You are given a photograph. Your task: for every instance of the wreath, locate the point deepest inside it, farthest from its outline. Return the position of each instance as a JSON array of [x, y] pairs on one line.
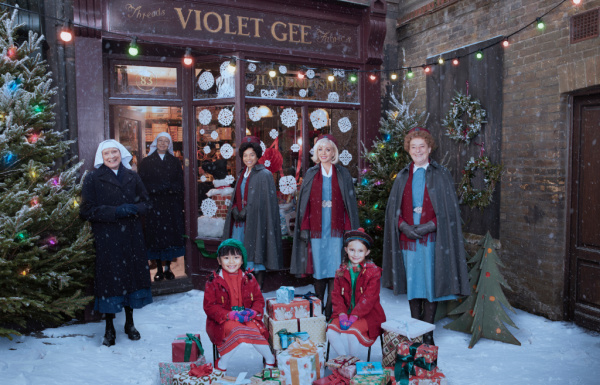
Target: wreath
[[491, 175], [475, 117]]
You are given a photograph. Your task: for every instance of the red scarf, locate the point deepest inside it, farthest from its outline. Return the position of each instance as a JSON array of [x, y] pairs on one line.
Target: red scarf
[[239, 202], [407, 214], [340, 222], [234, 281]]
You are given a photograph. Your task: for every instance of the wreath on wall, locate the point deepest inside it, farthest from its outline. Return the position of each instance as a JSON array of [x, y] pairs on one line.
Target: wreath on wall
[[491, 175], [475, 117]]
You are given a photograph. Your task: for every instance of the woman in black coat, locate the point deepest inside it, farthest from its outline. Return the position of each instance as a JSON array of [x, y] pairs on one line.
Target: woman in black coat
[[113, 197], [162, 175]]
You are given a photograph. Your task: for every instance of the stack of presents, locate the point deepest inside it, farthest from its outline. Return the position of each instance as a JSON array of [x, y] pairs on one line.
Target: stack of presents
[[297, 338]]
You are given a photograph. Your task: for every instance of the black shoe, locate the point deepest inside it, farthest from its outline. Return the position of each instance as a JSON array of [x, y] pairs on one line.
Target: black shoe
[[109, 337], [428, 339], [159, 276], [169, 275], [132, 332]]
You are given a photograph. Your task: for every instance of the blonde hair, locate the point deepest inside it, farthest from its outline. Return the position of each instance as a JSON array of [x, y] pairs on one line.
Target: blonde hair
[[324, 142]]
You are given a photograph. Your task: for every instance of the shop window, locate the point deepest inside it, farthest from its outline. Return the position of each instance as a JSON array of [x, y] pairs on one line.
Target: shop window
[[135, 127], [215, 80], [293, 81], [215, 135], [145, 80]]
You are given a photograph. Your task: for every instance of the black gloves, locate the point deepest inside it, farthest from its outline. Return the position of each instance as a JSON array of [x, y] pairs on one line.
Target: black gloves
[[238, 216], [409, 231], [126, 210], [425, 228], [305, 235]]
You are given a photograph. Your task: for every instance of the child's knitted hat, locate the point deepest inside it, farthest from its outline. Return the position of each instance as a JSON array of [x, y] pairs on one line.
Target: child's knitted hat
[[238, 245], [360, 235]]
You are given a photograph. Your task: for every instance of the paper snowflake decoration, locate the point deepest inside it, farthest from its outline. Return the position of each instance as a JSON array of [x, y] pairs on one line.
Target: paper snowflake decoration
[[344, 124], [229, 178], [225, 117], [227, 202], [333, 97], [227, 152], [214, 135], [283, 70], [202, 131], [318, 118], [302, 92], [209, 207], [287, 185], [271, 94], [267, 163], [225, 71], [206, 149], [295, 147], [262, 145], [339, 72], [345, 157], [205, 116], [310, 74], [251, 67], [254, 114], [273, 134], [312, 151], [206, 81], [202, 178], [289, 117], [250, 88]]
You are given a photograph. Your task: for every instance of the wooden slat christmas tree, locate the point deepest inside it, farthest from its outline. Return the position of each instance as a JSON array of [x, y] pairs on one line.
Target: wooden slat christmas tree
[[482, 312]]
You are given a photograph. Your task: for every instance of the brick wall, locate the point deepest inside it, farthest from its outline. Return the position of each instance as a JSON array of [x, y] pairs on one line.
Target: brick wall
[[540, 68]]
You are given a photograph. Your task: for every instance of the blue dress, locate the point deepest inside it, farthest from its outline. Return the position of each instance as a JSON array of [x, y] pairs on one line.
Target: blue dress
[[239, 231], [419, 263], [327, 250]]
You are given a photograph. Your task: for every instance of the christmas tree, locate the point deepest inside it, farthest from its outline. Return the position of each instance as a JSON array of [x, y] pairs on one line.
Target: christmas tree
[[46, 254], [385, 159], [482, 312]]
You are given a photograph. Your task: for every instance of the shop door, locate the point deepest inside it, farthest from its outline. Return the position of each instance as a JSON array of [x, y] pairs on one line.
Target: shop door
[[584, 237]]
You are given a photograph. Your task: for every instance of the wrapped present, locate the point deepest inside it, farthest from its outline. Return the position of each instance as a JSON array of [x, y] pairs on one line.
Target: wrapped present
[[369, 368], [415, 359], [315, 327], [298, 307], [268, 377], [436, 378], [390, 342], [314, 303], [291, 326], [286, 338], [285, 294], [168, 369], [372, 379], [348, 371], [239, 380], [335, 378], [302, 362], [186, 348], [204, 377], [341, 361], [408, 327]]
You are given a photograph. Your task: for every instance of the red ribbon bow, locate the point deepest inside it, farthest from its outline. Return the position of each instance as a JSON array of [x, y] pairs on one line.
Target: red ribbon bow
[[201, 371], [337, 379]]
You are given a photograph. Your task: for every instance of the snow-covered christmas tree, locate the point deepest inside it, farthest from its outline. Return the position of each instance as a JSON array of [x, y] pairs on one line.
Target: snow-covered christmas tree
[[385, 159], [46, 254]]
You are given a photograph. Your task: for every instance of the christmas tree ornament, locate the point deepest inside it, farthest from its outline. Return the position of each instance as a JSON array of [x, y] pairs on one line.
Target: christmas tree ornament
[[11, 52], [55, 181], [22, 236], [474, 114], [75, 203], [38, 108], [34, 201], [33, 138]]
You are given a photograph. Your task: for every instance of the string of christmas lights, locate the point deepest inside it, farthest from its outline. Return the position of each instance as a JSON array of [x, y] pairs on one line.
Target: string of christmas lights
[[66, 35]]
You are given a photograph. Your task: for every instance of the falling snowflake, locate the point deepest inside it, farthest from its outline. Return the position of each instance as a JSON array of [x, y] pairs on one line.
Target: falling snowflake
[[318, 118], [250, 88], [206, 81], [267, 163], [227, 202], [344, 124], [333, 97], [287, 185], [339, 72], [310, 74], [262, 145], [227, 152], [206, 149], [225, 71], [251, 67], [273, 134], [205, 116], [209, 207], [229, 178], [295, 147], [214, 135], [345, 157], [271, 94], [225, 117], [289, 117], [283, 70], [202, 131], [202, 178], [254, 114], [302, 92]]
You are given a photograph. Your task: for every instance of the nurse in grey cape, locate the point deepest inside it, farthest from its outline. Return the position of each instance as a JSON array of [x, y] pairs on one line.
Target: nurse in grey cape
[[423, 252]]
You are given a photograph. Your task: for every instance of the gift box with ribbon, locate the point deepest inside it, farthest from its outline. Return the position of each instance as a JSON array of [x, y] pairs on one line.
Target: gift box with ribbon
[[436, 378], [186, 348], [415, 359], [304, 306], [285, 294], [341, 361], [268, 377], [347, 371], [372, 379], [290, 326], [408, 327], [302, 362], [390, 342], [286, 338], [168, 369], [335, 378], [315, 327], [198, 375]]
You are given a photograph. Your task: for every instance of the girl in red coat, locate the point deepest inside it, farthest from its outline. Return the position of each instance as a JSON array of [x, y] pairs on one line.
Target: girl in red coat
[[234, 305], [357, 314]]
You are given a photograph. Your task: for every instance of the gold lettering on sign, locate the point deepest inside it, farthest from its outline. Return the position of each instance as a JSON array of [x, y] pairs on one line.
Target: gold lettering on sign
[[227, 31], [256, 26], [146, 80], [242, 23], [181, 19], [329, 37], [219, 20], [198, 22], [134, 12], [283, 36]]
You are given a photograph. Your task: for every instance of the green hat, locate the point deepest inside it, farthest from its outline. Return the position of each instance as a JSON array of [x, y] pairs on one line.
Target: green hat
[[237, 244]]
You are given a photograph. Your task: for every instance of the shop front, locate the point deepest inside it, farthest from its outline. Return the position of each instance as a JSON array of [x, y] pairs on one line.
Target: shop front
[[284, 71]]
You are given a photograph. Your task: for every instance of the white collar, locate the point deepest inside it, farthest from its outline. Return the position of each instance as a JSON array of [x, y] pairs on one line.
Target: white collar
[[248, 171], [415, 168], [115, 171], [162, 156], [325, 173]]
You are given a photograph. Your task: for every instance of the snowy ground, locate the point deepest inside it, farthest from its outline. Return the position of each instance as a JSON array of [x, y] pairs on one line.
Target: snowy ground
[[551, 352]]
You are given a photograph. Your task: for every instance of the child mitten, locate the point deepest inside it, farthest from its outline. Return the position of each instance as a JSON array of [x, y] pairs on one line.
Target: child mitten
[[232, 315], [250, 313], [344, 322], [351, 320]]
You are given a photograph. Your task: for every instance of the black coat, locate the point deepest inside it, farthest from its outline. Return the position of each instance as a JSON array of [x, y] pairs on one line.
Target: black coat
[[163, 179], [121, 263]]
